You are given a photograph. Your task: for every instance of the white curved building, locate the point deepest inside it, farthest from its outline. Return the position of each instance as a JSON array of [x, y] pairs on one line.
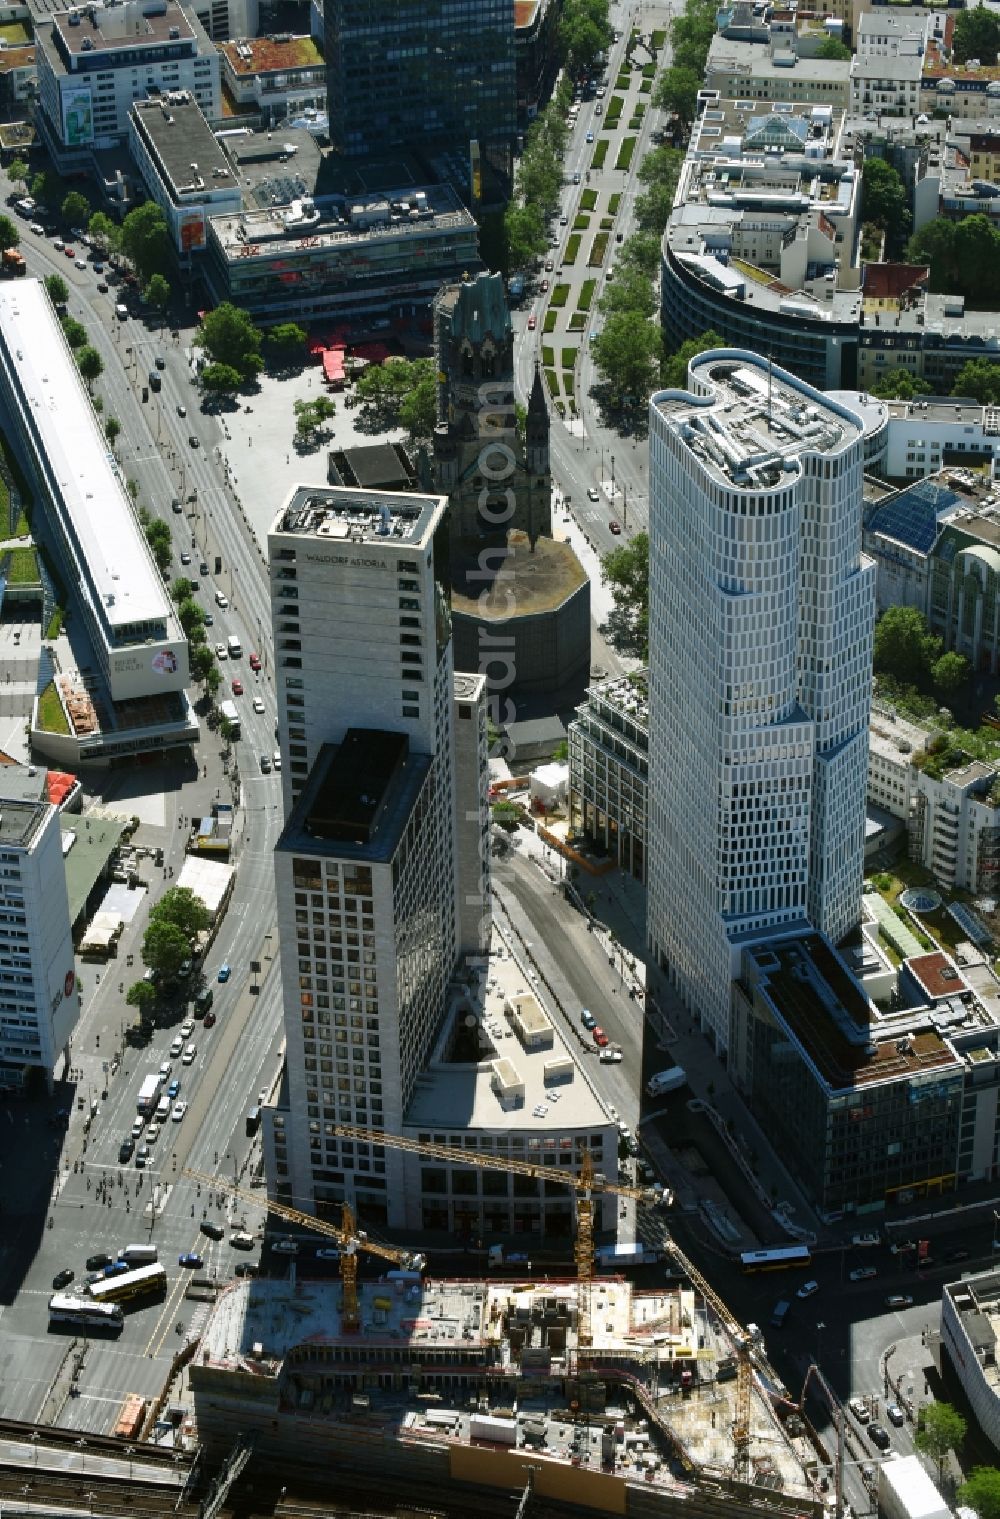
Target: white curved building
[[761, 616]]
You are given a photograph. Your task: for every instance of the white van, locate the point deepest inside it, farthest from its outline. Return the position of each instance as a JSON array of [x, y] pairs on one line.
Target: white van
[[234, 646], [121, 311], [162, 1110]]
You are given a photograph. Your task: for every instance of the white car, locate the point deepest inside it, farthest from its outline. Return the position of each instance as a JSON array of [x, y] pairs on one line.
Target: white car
[[593, 494], [611, 1057], [138, 1124], [258, 704], [189, 1054], [807, 1289], [862, 1274], [276, 759], [165, 1068], [177, 1046], [221, 600], [187, 1028], [152, 1133], [862, 1241], [180, 1108], [221, 652]]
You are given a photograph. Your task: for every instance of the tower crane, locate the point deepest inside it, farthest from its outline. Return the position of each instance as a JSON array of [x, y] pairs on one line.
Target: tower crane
[[348, 1237], [585, 1184]]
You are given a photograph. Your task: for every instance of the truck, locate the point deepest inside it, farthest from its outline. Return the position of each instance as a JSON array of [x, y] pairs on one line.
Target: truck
[[905, 1491], [133, 1412], [666, 1081], [14, 266], [148, 1094], [515, 288], [230, 711], [780, 1313], [627, 1255]]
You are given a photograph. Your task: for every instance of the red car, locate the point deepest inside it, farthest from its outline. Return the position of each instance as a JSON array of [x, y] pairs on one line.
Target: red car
[[69, 252], [237, 686], [532, 322], [600, 1037], [255, 661], [209, 1019]]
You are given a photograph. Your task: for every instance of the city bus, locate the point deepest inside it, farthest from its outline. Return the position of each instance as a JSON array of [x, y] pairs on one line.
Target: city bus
[[82, 1313], [782, 1259], [143, 1282]]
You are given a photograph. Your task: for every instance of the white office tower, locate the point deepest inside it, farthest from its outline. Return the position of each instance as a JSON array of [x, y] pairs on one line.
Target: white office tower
[[38, 1002], [761, 614], [366, 867]]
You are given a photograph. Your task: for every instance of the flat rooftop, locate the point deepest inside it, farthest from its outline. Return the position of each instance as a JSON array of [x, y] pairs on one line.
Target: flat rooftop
[[456, 1090], [95, 838], [350, 516], [20, 821], [100, 28], [937, 975], [342, 812], [178, 135], [270, 55], [546, 577], [756, 422], [357, 220], [935, 409], [894, 737], [83, 468], [834, 1024], [976, 1300]]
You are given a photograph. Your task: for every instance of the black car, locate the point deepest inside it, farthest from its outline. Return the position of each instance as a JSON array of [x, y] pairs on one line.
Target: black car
[[98, 1262], [161, 363], [125, 1152], [954, 1256], [213, 1230], [203, 568], [62, 1278], [878, 1436]]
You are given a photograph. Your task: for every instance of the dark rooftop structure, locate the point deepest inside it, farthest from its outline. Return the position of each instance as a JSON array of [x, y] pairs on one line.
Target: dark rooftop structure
[[936, 975], [831, 1019], [374, 467], [358, 797], [353, 793], [20, 821], [110, 28], [183, 144]]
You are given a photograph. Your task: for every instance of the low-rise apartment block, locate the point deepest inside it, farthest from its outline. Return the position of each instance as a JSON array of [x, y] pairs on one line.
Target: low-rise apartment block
[[274, 78], [609, 770], [183, 167]]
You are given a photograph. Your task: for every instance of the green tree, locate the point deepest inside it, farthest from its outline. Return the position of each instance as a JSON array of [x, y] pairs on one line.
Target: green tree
[[228, 336], [627, 354], [642, 252], [631, 290], [675, 368], [981, 1490], [18, 171], [57, 288], [112, 427], [141, 994], [76, 332], [157, 293], [940, 1429], [75, 209], [158, 537], [46, 188], [310, 416], [189, 613], [9, 235], [180, 591], [104, 232], [977, 250], [900, 385], [949, 673], [904, 645], [90, 363], [625, 571], [220, 379], [676, 90], [691, 34], [934, 245], [287, 342], [583, 34], [202, 660], [980, 379], [524, 233], [213, 680], [883, 195], [186, 911], [832, 48], [383, 390], [164, 947], [977, 35], [145, 240], [418, 409]]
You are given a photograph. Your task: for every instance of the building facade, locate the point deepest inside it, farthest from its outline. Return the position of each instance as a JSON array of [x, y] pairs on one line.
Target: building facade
[[609, 770], [761, 617], [183, 168], [93, 63], [39, 1006], [413, 76], [954, 825]]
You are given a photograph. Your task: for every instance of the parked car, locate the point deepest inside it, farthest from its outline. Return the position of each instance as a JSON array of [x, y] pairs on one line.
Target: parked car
[[807, 1289], [254, 661], [862, 1274], [864, 1240], [899, 1300], [191, 1259], [859, 1408], [180, 1108], [265, 764], [209, 1019], [213, 1230], [611, 1056]]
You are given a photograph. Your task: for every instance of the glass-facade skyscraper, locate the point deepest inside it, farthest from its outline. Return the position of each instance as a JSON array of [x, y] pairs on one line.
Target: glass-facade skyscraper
[[409, 74]]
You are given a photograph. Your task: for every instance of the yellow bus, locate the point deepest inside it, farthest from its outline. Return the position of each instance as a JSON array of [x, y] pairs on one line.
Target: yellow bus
[[144, 1281]]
